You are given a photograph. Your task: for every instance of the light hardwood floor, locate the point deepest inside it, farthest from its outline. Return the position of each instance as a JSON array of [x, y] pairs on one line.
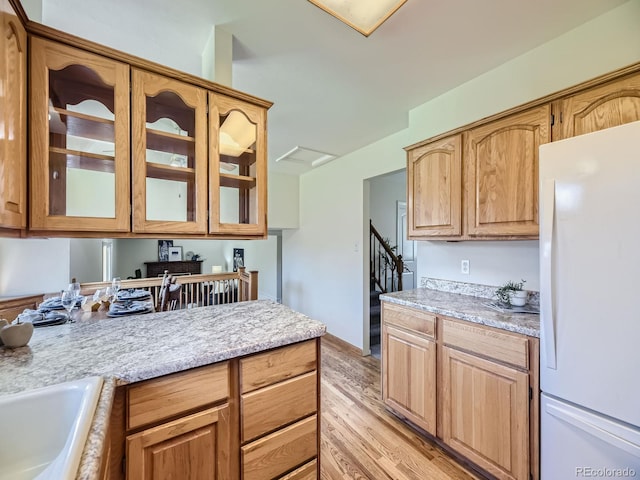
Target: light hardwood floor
[[360, 439]]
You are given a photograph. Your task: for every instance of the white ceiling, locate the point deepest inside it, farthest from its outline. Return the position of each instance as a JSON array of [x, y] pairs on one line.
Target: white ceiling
[[333, 89]]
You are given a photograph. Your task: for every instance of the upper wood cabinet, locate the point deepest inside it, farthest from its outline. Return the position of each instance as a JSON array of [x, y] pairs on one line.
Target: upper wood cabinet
[[609, 105], [237, 167], [169, 131], [501, 174], [13, 124], [434, 190], [79, 116]]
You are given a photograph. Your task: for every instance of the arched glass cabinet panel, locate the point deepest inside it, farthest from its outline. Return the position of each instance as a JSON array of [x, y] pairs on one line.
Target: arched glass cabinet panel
[[237, 167], [79, 140], [169, 155]]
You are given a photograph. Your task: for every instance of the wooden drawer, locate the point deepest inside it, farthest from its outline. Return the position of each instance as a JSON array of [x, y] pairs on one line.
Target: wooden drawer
[[164, 397], [277, 365], [308, 471], [269, 408], [490, 342], [278, 453], [410, 318]]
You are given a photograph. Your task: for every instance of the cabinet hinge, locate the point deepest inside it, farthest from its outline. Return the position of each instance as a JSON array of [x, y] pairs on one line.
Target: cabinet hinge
[[124, 464], [530, 393], [560, 117], [553, 119]]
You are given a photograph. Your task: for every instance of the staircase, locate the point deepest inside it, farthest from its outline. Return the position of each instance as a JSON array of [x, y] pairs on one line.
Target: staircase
[[374, 319], [386, 276]]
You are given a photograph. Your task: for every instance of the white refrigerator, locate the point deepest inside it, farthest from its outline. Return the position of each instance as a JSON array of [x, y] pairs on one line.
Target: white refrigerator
[[590, 305]]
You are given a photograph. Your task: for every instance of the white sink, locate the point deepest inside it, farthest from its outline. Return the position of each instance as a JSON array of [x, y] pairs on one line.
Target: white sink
[[45, 430]]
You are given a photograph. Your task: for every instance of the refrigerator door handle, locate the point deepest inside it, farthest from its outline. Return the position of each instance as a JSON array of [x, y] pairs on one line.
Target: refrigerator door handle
[[596, 427], [546, 267]]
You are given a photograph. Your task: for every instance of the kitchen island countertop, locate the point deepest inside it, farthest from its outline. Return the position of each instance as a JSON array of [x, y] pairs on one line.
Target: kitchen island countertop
[[140, 347], [465, 307]]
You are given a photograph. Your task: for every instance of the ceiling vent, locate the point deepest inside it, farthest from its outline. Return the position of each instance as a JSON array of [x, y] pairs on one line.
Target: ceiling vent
[[306, 157]]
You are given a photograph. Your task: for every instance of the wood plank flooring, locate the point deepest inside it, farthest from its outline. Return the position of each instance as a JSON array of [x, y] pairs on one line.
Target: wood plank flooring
[[360, 439]]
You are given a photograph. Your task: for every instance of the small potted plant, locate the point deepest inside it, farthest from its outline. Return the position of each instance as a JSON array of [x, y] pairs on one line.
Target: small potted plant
[[511, 293]]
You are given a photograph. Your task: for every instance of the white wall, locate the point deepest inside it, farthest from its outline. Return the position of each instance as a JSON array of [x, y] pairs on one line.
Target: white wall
[[260, 255], [490, 263], [323, 275], [323, 267], [85, 262], [31, 266], [284, 201]]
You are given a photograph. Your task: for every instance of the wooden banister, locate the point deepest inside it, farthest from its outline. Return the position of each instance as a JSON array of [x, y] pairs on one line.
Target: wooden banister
[[386, 267]]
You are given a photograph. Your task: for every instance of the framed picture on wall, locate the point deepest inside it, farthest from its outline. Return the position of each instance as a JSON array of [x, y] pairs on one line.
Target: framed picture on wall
[[163, 250], [175, 254], [238, 258]]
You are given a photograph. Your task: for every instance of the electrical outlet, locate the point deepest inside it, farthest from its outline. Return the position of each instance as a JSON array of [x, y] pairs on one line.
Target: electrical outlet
[[464, 267]]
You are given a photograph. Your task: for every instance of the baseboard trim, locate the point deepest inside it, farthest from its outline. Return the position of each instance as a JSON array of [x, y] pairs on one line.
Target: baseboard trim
[[342, 344]]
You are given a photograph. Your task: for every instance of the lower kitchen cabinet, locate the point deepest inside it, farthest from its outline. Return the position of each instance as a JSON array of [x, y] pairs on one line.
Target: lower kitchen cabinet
[[279, 413], [485, 413], [254, 417], [410, 376], [473, 388], [189, 447]]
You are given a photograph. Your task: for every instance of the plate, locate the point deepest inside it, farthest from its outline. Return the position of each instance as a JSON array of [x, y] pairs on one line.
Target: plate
[[124, 313], [131, 294]]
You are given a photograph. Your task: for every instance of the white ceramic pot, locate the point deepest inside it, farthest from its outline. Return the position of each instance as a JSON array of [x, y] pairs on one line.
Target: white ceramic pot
[[518, 298]]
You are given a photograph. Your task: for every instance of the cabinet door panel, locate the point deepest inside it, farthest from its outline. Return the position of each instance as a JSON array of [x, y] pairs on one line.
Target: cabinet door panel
[[485, 409], [502, 174], [606, 106], [79, 114], [169, 155], [189, 447], [13, 127], [409, 376], [237, 167], [434, 189]]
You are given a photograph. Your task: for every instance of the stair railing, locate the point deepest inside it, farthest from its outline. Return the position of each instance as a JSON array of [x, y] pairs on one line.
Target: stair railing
[[385, 266]]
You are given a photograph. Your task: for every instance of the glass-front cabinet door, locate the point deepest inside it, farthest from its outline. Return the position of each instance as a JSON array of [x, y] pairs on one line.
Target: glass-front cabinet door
[[79, 139], [169, 134], [237, 167]]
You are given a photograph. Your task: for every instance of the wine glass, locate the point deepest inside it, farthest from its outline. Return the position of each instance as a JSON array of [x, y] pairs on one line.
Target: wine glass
[[68, 299], [75, 286], [116, 284]]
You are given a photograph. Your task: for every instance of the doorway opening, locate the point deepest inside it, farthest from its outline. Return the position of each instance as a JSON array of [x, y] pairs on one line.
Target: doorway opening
[[385, 209]]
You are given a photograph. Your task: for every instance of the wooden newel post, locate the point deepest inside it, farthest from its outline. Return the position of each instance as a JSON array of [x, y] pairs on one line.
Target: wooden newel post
[[248, 284]]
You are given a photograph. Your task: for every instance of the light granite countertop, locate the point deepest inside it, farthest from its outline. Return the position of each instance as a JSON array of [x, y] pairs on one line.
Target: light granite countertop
[[465, 307], [139, 347]]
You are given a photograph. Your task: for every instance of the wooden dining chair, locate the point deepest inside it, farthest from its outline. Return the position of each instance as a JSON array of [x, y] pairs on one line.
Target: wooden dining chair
[[169, 296]]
